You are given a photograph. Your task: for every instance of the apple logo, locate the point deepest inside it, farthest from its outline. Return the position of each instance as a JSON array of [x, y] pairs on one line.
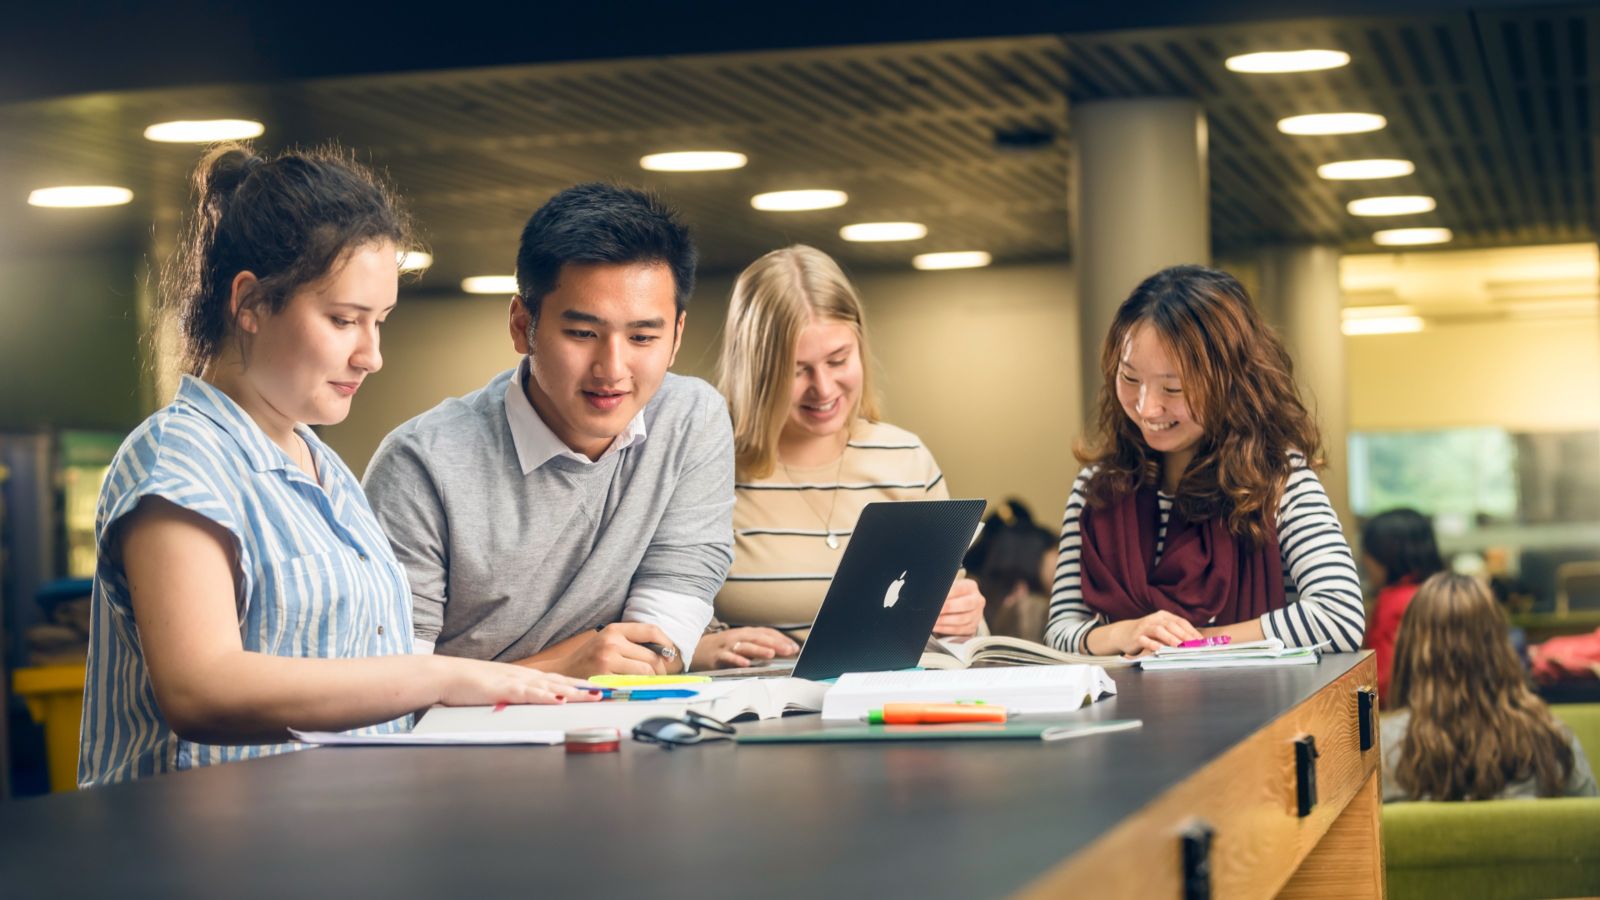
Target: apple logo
[[892, 595]]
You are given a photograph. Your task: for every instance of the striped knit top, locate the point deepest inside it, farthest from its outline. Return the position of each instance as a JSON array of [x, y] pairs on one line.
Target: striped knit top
[[315, 577], [782, 562], [1320, 582]]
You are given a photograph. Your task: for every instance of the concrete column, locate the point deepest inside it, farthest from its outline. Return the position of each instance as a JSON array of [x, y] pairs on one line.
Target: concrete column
[[1142, 206], [1300, 295]]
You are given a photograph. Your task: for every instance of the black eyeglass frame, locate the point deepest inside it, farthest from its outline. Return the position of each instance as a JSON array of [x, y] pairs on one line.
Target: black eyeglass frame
[[649, 731]]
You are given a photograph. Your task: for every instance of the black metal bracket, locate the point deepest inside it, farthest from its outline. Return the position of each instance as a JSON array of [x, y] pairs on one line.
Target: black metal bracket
[[1305, 773], [1366, 714], [1197, 860]]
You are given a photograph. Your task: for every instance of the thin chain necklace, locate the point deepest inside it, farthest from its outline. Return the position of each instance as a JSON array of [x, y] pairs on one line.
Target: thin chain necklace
[[831, 539]]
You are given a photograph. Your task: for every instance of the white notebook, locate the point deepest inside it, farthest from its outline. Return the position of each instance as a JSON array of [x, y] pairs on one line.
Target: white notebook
[[1244, 654], [1026, 690]]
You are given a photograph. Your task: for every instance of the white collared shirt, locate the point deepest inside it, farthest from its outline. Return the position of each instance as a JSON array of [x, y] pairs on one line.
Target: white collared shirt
[[537, 444]]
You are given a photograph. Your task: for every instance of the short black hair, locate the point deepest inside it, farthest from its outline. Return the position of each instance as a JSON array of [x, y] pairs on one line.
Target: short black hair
[[602, 223], [1402, 541]]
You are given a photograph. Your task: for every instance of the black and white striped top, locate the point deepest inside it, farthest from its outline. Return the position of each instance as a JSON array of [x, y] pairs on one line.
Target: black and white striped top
[[1320, 582]]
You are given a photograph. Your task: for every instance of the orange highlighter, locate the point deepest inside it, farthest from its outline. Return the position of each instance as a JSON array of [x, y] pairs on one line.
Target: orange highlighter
[[934, 713]]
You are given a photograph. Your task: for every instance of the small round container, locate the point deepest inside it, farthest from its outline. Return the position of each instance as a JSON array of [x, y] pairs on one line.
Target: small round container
[[594, 740]]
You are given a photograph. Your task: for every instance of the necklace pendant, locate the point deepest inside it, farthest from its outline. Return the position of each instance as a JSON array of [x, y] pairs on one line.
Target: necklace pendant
[[833, 541]]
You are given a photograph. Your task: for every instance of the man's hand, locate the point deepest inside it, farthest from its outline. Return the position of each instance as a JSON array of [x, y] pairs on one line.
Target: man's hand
[[617, 649]]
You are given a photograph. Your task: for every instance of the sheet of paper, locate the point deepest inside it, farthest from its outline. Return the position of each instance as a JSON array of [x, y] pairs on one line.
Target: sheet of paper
[[407, 739]]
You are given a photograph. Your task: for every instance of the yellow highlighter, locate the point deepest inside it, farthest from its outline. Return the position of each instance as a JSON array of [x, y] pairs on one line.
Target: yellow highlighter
[[625, 681]]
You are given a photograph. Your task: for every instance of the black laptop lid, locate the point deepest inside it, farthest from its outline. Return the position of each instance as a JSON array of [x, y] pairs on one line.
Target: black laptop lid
[[891, 584]]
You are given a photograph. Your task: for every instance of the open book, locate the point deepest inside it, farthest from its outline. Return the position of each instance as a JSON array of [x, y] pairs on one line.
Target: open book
[[996, 650], [765, 698]]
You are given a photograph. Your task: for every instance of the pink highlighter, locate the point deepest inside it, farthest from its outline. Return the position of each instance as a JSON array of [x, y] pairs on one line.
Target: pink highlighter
[[1214, 641]]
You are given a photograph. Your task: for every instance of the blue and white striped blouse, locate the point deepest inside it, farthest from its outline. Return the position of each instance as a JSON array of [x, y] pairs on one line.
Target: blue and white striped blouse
[[316, 575]]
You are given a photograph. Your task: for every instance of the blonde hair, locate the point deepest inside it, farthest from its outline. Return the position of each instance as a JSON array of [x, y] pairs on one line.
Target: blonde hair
[[773, 301]]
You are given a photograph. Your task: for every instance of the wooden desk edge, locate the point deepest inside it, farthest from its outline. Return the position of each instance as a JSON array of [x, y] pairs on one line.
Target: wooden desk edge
[[1248, 795]]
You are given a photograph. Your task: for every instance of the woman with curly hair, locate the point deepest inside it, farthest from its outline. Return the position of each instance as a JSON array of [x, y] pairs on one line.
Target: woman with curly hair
[[1465, 725], [1198, 511]]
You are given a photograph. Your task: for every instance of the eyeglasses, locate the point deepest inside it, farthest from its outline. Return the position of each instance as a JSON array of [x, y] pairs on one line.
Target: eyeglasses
[[669, 732]]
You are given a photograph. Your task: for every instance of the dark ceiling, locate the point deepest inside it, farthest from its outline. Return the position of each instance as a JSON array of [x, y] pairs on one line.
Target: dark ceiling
[[1500, 110]]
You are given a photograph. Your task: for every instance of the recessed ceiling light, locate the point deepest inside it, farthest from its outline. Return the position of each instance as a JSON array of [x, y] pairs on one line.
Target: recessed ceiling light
[[1390, 206], [795, 201], [884, 231], [1358, 169], [1411, 237], [490, 284], [79, 196], [954, 259], [1378, 312], [203, 131], [1273, 62], [1332, 123], [413, 260], [693, 161], [1389, 325]]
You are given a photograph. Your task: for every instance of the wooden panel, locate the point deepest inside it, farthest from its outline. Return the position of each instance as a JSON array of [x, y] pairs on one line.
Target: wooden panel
[[1248, 796], [1348, 862]]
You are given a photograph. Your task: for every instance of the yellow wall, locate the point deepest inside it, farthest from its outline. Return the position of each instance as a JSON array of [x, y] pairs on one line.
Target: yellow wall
[[980, 364], [1519, 374]]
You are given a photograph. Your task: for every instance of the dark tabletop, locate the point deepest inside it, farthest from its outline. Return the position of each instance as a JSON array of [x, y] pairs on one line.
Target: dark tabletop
[[928, 819]]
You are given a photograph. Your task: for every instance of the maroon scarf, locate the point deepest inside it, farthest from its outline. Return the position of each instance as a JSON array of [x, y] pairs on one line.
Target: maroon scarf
[[1205, 575]]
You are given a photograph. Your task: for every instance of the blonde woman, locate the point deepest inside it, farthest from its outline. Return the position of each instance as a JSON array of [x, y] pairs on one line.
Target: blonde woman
[[810, 453]]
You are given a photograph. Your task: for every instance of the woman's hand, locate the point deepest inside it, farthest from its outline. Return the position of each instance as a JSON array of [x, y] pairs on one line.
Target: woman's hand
[[963, 610], [740, 647], [1136, 637], [472, 682]]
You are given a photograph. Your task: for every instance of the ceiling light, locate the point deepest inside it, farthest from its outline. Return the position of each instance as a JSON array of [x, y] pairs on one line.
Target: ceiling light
[[794, 201], [1389, 325], [1332, 123], [1273, 62], [1357, 169], [80, 195], [1390, 206], [1410, 237], [693, 161], [490, 284], [955, 259], [1378, 312], [203, 131], [884, 231], [413, 260]]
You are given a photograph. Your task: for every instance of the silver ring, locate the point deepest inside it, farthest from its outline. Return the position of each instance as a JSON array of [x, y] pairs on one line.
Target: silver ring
[[736, 647]]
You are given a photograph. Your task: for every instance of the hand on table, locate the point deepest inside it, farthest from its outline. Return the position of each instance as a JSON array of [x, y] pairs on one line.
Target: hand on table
[[1137, 637], [739, 647]]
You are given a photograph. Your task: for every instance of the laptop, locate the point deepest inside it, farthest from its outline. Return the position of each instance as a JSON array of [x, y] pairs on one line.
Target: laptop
[[891, 583]]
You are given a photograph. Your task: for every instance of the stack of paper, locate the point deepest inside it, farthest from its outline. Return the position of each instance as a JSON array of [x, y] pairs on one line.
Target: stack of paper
[[1266, 652], [1026, 690]]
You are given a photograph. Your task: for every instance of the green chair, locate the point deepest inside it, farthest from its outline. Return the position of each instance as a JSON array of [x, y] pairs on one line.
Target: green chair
[[1500, 848]]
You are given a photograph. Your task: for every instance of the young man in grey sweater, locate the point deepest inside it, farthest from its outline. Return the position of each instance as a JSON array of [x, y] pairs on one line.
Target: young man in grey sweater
[[575, 514]]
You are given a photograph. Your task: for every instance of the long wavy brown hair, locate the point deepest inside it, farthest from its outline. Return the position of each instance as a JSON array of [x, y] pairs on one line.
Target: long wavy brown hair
[[1475, 725], [1239, 384]]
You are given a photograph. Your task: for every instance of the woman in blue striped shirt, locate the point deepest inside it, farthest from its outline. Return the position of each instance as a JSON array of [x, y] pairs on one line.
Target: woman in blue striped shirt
[[243, 587]]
